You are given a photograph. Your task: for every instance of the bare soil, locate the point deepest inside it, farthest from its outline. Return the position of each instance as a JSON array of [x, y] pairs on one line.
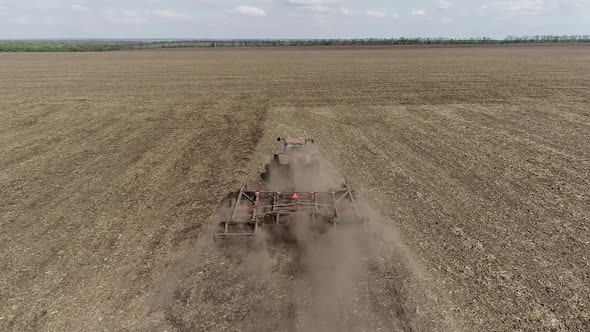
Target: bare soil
[[475, 162]]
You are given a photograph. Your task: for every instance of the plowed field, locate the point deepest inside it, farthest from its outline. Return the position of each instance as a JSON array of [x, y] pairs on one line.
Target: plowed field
[[475, 161]]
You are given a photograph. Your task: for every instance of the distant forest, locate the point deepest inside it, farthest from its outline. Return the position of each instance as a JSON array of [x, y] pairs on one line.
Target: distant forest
[[100, 45]]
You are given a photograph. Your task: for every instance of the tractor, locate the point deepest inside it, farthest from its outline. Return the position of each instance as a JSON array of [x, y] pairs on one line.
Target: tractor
[[297, 159], [280, 205]]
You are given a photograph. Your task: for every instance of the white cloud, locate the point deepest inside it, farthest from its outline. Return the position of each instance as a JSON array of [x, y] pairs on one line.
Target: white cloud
[[251, 11], [528, 7], [20, 20], [318, 6], [80, 8], [169, 14], [304, 3], [345, 11], [418, 12], [376, 13], [444, 4], [124, 16]]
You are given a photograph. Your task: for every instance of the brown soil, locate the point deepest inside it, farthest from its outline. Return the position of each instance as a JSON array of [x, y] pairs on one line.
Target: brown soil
[[112, 164]]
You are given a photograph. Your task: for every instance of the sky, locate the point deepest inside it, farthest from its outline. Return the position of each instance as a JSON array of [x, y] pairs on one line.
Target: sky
[[223, 19]]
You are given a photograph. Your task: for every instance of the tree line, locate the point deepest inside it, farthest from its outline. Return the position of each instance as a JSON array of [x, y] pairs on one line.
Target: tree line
[[106, 45]]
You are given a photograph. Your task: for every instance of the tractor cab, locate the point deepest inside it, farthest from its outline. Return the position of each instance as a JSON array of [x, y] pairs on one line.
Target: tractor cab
[[294, 145], [295, 150]]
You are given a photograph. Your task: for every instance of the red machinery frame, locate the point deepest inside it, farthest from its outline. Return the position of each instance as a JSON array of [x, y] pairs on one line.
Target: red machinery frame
[[254, 209]]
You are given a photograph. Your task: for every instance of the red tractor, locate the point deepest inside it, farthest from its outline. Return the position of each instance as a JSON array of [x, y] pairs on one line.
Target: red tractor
[[298, 159]]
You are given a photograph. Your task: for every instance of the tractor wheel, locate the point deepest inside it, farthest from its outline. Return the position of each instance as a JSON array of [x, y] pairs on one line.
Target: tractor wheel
[[269, 170]]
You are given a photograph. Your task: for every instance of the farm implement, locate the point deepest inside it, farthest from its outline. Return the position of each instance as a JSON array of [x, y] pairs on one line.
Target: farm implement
[[248, 211], [274, 211]]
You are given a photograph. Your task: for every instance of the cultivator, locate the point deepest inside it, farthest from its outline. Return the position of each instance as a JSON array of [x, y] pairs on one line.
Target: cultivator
[[251, 210], [286, 206]]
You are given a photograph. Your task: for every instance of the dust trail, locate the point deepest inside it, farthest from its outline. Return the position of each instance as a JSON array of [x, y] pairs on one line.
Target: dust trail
[[348, 278], [354, 277]]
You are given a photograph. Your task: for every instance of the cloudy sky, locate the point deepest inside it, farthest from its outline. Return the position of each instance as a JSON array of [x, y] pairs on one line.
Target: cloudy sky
[[290, 18]]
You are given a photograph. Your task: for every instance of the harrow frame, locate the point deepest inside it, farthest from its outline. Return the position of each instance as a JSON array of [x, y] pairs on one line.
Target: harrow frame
[[251, 210]]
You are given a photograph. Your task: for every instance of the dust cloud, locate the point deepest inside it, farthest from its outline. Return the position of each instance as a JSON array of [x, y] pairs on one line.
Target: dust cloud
[[356, 277], [351, 277]]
